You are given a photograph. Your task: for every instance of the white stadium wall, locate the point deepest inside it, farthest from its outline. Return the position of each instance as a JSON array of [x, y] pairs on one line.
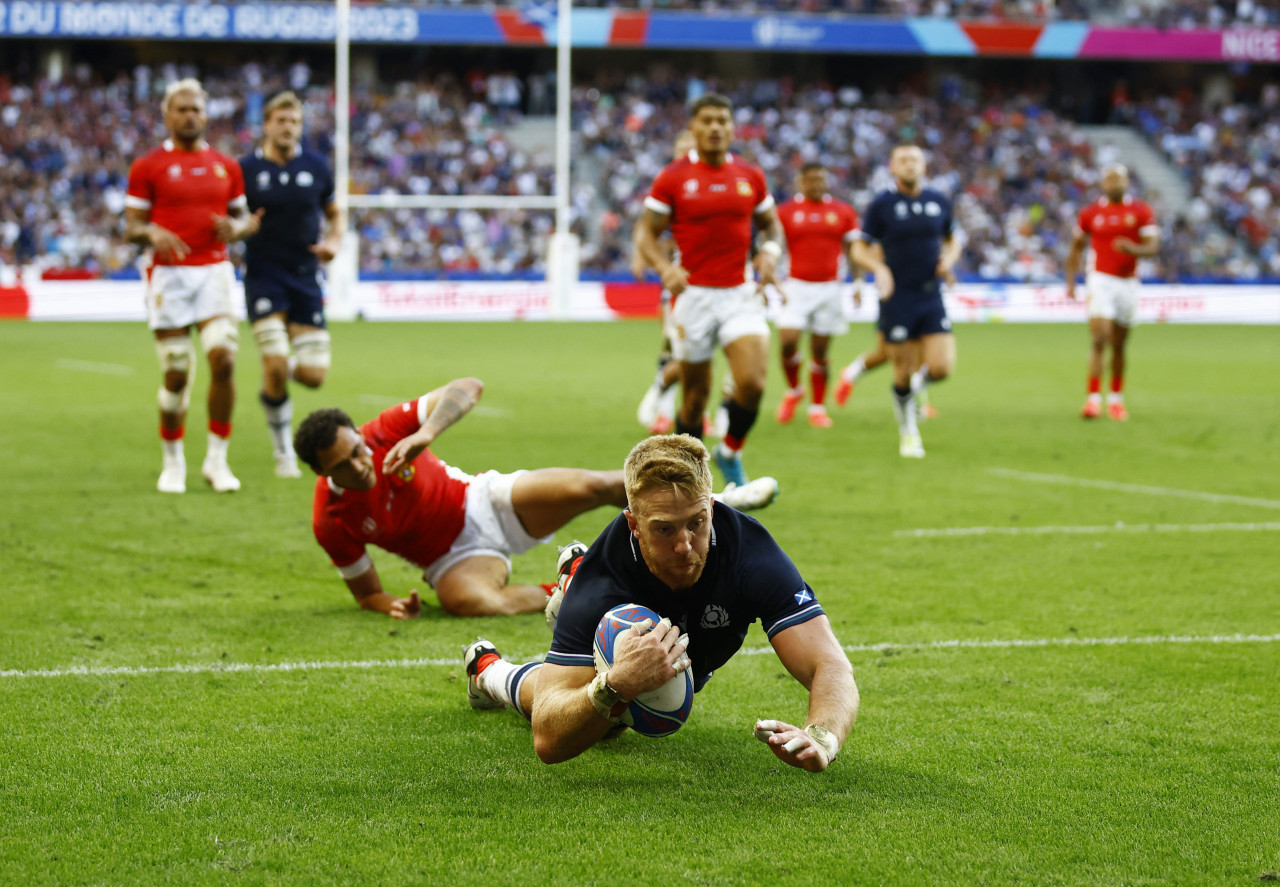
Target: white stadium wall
[[525, 300]]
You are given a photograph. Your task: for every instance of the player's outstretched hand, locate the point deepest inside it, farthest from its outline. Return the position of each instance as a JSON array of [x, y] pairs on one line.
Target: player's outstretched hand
[[405, 451], [406, 607], [792, 746], [325, 250], [167, 245], [647, 656], [884, 282], [946, 273]]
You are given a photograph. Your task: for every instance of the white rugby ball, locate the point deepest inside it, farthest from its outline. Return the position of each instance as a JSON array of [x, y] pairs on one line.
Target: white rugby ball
[[659, 712]]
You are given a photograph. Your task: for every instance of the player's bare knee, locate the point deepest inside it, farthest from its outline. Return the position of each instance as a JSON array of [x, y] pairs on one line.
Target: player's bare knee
[[311, 377]]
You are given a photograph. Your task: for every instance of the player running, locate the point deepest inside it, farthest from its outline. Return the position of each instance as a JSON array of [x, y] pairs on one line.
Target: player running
[[282, 266], [919, 248], [185, 202], [819, 230], [710, 573], [1121, 229], [709, 199], [381, 484]]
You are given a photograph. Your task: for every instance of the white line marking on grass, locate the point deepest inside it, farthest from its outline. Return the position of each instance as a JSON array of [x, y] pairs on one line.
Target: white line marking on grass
[[1132, 488], [87, 366], [366, 664], [1119, 527]]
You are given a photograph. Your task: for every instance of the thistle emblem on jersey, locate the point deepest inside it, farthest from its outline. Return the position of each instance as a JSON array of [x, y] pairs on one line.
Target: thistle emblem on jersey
[[714, 616]]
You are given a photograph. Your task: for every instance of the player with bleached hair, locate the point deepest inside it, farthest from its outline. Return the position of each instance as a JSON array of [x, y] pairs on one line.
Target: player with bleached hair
[[709, 572], [185, 202], [380, 484], [1121, 229]]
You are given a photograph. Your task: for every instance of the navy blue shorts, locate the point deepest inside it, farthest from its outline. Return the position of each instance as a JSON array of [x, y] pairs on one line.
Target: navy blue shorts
[[908, 316], [269, 289]]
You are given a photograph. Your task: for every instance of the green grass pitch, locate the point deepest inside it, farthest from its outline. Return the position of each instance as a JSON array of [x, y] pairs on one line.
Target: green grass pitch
[[1081, 688]]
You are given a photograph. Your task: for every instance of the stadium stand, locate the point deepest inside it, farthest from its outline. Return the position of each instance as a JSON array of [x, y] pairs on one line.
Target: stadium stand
[[1017, 169]]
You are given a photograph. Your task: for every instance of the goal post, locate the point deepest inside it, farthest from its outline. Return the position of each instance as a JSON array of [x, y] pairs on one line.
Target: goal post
[[562, 261]]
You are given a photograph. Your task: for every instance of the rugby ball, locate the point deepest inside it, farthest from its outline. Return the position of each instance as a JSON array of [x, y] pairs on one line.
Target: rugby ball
[[659, 712]]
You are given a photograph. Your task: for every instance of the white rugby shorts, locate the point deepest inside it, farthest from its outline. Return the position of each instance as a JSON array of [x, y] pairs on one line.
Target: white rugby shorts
[[704, 317], [180, 295], [813, 307], [491, 527], [1113, 298]]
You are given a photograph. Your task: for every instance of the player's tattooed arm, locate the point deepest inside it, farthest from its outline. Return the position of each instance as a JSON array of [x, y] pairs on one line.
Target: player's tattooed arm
[[445, 406]]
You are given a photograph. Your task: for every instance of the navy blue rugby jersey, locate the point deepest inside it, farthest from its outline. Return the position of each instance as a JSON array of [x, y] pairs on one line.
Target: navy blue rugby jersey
[[294, 196], [911, 230], [746, 577]]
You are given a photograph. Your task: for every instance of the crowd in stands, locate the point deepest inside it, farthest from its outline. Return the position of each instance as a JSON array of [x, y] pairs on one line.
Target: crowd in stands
[[1018, 172]]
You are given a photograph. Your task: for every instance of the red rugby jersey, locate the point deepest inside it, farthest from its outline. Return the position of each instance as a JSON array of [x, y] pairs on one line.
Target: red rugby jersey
[[711, 208], [816, 235], [184, 190], [416, 513], [1104, 221]]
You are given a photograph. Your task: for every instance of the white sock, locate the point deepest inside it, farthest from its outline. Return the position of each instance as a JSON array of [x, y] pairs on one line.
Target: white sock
[[173, 451], [217, 449], [920, 378], [1115, 397], [853, 372], [904, 408], [280, 424], [493, 680]]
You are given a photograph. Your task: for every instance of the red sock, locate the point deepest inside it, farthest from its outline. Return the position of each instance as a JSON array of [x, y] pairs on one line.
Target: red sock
[[1095, 384], [733, 443], [172, 433], [222, 429], [1117, 384], [485, 661], [818, 381], [791, 367]]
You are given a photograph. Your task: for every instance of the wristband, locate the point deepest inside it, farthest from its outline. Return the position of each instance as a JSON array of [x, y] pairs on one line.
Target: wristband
[[771, 247], [824, 738], [604, 699]]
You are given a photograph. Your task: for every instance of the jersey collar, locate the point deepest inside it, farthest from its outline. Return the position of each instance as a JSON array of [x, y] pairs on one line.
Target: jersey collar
[[694, 158], [334, 488], [170, 146]]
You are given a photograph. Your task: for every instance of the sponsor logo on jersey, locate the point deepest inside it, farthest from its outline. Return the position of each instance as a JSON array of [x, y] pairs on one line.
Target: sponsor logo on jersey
[[832, 218], [797, 217], [803, 596], [305, 179], [715, 616], [900, 210], [1130, 219], [744, 188], [369, 526], [932, 208]]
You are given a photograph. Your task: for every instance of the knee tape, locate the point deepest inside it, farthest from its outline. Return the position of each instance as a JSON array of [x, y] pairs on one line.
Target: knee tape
[[272, 337], [221, 332], [174, 401], [313, 349], [177, 355]]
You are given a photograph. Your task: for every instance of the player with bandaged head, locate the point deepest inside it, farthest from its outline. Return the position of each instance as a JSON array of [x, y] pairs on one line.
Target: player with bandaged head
[[709, 572]]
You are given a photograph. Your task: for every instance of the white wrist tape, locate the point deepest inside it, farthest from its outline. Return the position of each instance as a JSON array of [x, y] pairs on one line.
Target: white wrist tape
[[824, 738], [772, 248], [603, 697]]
